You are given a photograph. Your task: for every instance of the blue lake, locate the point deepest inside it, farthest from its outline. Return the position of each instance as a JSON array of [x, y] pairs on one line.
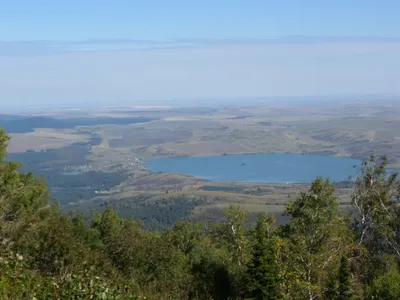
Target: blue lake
[[274, 168], [71, 173]]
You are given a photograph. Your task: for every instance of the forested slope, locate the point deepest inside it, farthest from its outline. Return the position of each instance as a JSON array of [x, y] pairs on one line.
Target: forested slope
[[321, 253]]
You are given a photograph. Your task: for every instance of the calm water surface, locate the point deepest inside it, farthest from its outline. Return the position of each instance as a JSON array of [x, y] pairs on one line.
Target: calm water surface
[[277, 168], [71, 173]]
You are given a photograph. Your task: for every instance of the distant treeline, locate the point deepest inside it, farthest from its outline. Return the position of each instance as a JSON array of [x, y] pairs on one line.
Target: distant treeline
[[20, 124], [161, 214], [72, 188], [50, 166], [223, 188], [53, 158]]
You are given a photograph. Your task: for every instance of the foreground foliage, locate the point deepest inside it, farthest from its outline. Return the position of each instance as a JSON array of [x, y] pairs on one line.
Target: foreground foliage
[[321, 253]]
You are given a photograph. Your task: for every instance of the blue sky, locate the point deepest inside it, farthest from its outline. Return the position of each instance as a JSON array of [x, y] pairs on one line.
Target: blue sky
[[130, 52], [158, 20]]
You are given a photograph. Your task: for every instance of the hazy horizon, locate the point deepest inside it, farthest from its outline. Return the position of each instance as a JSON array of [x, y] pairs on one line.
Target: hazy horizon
[[145, 54]]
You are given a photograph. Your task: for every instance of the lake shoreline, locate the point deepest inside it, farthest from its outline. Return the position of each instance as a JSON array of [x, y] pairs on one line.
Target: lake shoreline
[[279, 168]]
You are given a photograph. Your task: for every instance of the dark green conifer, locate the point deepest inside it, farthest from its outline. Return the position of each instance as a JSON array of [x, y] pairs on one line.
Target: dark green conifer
[[344, 279], [263, 269]]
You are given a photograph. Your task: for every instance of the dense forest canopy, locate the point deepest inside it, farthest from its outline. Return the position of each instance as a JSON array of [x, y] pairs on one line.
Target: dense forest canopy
[[321, 253]]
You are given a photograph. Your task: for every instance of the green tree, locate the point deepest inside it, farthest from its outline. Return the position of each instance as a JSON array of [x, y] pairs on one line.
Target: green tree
[[339, 286], [344, 292], [23, 198], [43, 254], [108, 223], [210, 269], [263, 269], [232, 234], [385, 286], [332, 288], [185, 235], [315, 237], [376, 211]]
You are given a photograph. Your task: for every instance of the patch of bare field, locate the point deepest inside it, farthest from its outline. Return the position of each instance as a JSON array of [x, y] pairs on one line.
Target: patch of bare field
[[42, 139], [179, 123], [185, 118], [237, 141], [162, 182], [141, 138]]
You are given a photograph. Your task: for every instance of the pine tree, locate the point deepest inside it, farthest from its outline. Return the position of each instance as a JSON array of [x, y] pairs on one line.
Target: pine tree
[[332, 289], [263, 269], [344, 279]]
